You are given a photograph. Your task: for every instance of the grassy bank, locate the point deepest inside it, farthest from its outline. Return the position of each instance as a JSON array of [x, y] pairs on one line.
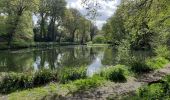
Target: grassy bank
[[159, 90], [57, 90], [71, 80], [22, 45], [12, 82]]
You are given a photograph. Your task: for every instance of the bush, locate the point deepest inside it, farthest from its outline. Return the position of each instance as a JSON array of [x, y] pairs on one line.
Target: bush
[[162, 51], [155, 91], [13, 81], [18, 81], [71, 74], [99, 39], [85, 84], [44, 76], [138, 66], [157, 62], [117, 73]]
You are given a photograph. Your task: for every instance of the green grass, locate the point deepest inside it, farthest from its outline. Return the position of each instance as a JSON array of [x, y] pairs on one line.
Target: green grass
[[155, 91], [157, 62], [19, 81], [70, 74], [118, 73], [57, 89], [139, 66]]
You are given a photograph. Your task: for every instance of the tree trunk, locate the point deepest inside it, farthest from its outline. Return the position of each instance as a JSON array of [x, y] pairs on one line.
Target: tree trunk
[[73, 35]]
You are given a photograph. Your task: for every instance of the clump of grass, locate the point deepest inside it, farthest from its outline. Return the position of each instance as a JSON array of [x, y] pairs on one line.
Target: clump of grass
[[70, 74], [44, 77], [116, 73], [138, 66], [162, 51], [157, 62], [85, 84]]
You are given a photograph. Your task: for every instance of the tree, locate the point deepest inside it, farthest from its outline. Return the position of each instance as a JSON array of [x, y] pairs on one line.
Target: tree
[[93, 31], [43, 13], [56, 13], [15, 9], [72, 22]]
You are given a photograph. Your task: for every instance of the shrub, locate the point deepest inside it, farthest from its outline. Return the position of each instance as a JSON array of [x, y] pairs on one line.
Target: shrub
[[157, 62], [71, 74], [162, 51], [138, 66], [155, 91], [117, 73], [44, 76], [13, 81], [99, 39], [85, 84]]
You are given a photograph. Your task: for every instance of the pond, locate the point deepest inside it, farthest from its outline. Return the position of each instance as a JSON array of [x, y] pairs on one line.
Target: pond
[[30, 60]]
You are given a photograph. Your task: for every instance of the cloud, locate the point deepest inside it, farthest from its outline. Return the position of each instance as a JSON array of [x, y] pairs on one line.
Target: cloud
[[100, 23], [106, 10]]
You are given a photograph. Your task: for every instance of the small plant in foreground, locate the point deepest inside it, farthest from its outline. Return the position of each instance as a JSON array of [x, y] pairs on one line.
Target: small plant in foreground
[[157, 62], [71, 74], [116, 73], [138, 66], [85, 84]]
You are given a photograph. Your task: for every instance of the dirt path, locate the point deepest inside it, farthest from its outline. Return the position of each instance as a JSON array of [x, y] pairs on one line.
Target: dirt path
[[118, 89]]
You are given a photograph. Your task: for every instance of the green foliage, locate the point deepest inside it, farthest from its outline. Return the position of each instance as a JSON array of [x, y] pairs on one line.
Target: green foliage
[[71, 74], [162, 51], [139, 67], [15, 81], [155, 91], [139, 23], [44, 77], [157, 62], [99, 39], [85, 84], [116, 73]]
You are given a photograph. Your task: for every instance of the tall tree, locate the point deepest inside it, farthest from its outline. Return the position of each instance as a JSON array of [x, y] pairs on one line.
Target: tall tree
[[56, 13], [15, 10]]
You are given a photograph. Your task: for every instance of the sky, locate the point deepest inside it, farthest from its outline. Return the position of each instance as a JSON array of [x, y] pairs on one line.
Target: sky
[[107, 9]]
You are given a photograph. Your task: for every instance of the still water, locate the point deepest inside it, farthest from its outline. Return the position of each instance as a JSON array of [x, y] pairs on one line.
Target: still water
[[67, 56]]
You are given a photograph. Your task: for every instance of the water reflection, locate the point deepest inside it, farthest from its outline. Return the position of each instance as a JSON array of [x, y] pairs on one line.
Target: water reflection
[[68, 56], [96, 65]]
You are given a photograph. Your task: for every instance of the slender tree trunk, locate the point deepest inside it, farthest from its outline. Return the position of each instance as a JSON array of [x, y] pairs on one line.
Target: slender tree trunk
[[73, 35], [42, 30]]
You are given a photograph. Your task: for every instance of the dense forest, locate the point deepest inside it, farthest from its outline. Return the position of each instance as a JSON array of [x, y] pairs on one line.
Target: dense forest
[[127, 59], [144, 24], [56, 23]]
